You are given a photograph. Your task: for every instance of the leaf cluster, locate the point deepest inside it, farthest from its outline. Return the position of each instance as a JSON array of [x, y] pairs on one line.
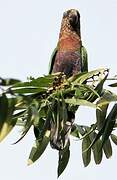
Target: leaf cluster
[[49, 103]]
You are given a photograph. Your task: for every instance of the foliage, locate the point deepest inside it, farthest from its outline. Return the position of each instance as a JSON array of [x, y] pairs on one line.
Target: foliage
[[48, 104]]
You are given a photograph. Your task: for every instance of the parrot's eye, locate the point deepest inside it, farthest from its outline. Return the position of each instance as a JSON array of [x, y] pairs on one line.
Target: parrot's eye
[[74, 20]]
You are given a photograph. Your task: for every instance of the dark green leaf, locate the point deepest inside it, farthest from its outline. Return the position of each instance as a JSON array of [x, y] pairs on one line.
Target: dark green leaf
[[107, 97], [28, 123], [113, 85], [95, 139], [3, 109], [64, 156], [43, 111], [9, 122], [91, 89], [56, 128], [101, 113], [107, 127], [102, 77], [110, 122], [40, 82], [75, 131], [96, 148], [19, 114], [86, 154], [90, 76], [79, 130], [86, 92], [28, 90], [107, 148], [114, 138], [88, 130], [38, 148], [64, 112], [8, 81]]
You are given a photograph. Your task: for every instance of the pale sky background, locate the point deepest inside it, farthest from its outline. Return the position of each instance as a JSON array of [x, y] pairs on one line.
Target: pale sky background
[[28, 33]]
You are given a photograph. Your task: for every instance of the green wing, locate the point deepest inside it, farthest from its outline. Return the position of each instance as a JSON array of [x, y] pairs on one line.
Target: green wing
[[84, 57], [52, 59]]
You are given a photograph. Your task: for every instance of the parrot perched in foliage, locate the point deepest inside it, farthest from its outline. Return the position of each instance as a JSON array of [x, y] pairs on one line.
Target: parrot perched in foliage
[[69, 57]]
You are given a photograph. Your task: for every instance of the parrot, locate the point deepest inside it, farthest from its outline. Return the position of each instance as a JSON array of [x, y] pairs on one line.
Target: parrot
[[69, 57]]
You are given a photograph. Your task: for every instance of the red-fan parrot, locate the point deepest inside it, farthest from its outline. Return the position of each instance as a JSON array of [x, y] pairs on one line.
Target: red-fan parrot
[[69, 57]]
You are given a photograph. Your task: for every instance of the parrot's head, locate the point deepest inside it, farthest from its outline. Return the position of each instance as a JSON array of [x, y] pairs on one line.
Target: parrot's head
[[71, 20]]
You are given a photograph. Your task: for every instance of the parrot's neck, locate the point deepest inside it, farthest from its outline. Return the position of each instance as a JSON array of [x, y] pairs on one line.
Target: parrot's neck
[[69, 42]]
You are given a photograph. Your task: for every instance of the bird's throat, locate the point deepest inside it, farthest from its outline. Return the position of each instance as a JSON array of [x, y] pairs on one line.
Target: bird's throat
[[69, 43]]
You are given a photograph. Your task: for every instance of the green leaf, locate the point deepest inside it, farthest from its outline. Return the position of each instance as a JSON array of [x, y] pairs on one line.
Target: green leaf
[[8, 81], [86, 154], [97, 152], [64, 156], [28, 123], [102, 77], [39, 119], [19, 114], [64, 112], [42, 110], [38, 148], [8, 122], [79, 130], [114, 138], [57, 124], [107, 127], [95, 139], [91, 90], [28, 90], [80, 102], [52, 60], [110, 122], [86, 92], [40, 82], [96, 148], [84, 58], [75, 131], [107, 97], [3, 109], [107, 148], [101, 113], [113, 85], [90, 76]]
